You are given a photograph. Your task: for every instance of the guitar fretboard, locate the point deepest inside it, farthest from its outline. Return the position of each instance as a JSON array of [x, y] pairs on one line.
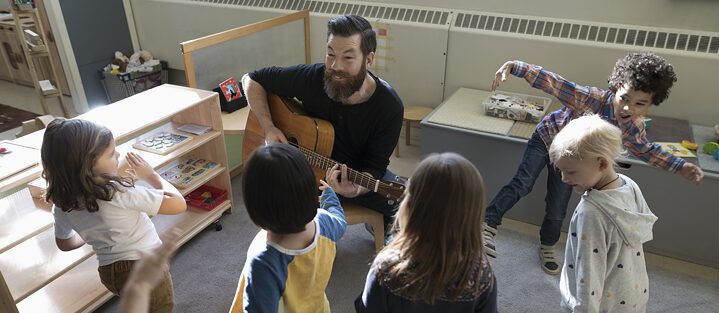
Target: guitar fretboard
[[363, 179]]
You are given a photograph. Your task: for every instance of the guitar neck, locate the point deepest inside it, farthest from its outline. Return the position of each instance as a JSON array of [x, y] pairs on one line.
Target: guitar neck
[[363, 179]]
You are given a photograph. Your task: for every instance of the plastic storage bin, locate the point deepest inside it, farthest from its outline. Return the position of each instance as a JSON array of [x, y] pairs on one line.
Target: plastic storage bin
[[516, 106], [206, 197]]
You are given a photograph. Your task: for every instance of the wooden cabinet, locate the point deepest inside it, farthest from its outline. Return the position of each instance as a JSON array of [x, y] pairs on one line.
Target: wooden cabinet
[[13, 62], [4, 61], [13, 54], [41, 278], [54, 53]]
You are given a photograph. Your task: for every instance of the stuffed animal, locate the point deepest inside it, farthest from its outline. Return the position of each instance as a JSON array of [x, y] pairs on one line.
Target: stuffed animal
[[121, 56], [140, 57], [119, 64], [120, 61], [114, 69], [145, 56]]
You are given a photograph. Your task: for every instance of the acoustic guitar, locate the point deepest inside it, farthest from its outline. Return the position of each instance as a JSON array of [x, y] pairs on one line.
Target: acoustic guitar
[[315, 138]]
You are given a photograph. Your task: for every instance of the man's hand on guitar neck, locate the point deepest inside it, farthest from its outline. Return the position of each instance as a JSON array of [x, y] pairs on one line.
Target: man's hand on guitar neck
[[343, 186]]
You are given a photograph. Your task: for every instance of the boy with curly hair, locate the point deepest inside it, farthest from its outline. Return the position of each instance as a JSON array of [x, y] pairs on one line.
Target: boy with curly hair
[[637, 81]]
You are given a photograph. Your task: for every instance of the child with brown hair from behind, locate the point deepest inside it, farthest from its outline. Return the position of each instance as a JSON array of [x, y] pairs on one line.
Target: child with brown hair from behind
[[436, 262], [95, 204], [604, 268]]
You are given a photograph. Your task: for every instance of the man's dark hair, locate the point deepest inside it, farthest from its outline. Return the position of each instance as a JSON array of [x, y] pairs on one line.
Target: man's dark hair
[[645, 72], [279, 189], [349, 25]]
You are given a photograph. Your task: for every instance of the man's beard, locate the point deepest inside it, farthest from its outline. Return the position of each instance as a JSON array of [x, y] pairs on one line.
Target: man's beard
[[340, 91]]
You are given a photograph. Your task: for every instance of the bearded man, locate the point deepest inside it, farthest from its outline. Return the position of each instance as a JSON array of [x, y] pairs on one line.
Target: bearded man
[[364, 110]]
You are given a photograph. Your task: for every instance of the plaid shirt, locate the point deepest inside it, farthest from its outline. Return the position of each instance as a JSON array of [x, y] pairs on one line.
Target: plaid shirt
[[580, 100]]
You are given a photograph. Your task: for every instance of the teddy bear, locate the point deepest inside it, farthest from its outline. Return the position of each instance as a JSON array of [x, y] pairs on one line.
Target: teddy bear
[[140, 57], [120, 62]]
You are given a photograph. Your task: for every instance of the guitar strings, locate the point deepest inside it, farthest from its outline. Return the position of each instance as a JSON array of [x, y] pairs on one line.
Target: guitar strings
[[326, 162]]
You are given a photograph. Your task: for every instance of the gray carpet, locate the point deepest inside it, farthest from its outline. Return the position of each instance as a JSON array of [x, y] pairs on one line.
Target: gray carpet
[[205, 273]]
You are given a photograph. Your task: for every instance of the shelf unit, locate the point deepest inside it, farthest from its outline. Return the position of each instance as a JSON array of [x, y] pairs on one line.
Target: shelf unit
[[68, 281], [35, 46]]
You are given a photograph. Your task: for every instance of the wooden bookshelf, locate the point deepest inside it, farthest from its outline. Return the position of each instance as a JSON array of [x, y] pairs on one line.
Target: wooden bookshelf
[[38, 255], [22, 217], [41, 278], [208, 176], [21, 178], [54, 297]]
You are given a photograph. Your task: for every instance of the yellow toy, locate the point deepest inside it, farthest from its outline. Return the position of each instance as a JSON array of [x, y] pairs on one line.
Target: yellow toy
[[689, 145]]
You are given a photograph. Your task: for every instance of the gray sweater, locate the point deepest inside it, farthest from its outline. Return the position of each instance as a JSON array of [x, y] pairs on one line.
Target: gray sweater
[[604, 268]]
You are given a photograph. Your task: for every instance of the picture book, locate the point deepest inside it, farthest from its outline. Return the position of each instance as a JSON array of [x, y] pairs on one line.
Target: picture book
[[676, 149], [182, 173]]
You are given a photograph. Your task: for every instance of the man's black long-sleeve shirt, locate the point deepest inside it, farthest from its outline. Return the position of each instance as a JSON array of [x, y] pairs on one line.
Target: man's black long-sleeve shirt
[[365, 133]]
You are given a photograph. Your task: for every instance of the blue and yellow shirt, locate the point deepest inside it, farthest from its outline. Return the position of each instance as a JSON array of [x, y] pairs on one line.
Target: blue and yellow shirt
[[276, 279]]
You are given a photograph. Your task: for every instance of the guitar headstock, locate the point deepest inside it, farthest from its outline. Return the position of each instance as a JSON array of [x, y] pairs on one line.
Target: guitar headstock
[[391, 190]]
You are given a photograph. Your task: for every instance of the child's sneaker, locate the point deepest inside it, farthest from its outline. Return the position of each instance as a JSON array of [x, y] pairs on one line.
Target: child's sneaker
[[488, 233], [548, 260]]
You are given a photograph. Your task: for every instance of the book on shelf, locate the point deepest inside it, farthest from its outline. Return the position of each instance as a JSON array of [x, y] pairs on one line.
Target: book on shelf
[[187, 170], [161, 142], [194, 129]]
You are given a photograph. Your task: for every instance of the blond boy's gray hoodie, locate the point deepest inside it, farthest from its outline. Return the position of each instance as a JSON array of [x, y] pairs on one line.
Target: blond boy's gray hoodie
[[604, 268]]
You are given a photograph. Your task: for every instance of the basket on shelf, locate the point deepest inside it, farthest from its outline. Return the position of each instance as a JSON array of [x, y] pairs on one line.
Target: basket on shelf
[[121, 86], [206, 197]]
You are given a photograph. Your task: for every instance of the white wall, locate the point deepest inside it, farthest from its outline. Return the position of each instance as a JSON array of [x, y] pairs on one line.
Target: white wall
[[422, 76], [682, 14], [472, 60]]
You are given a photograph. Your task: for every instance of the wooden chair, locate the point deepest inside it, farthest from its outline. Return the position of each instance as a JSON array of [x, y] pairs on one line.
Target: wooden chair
[[357, 214], [414, 113]]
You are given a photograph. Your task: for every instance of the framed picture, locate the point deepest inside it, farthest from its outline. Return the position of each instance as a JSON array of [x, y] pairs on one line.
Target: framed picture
[[230, 89]]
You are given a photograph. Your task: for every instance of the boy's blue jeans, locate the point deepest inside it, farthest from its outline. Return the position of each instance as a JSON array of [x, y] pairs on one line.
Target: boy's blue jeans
[[536, 158]]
